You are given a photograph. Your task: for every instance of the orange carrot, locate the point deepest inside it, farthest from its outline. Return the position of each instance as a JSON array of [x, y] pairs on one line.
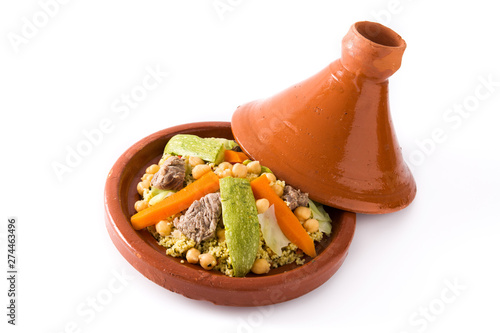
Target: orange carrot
[[288, 222], [177, 202], [232, 156]]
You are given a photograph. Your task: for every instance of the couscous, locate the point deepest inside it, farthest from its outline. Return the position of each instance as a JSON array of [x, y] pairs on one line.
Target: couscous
[[208, 203]]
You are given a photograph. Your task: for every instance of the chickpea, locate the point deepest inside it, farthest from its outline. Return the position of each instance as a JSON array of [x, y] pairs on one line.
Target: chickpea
[[200, 170], [194, 161], [261, 266], [262, 205], [193, 256], [140, 189], [311, 225], [225, 166], [148, 177], [142, 186], [207, 261], [164, 228], [140, 205], [225, 173], [254, 167], [240, 170], [221, 235], [270, 176], [302, 213], [277, 189], [152, 169]]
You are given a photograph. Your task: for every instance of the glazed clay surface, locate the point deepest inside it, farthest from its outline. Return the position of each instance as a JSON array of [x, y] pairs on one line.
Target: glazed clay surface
[[332, 134]]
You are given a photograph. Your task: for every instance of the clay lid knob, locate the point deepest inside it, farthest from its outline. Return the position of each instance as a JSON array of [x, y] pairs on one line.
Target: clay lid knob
[[372, 49]]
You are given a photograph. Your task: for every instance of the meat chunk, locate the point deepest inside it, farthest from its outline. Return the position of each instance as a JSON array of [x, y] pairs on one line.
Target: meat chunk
[[294, 197], [200, 220], [171, 174]]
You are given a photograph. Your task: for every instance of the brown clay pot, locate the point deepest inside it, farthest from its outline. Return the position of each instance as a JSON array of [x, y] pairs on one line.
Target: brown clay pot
[[332, 134], [141, 250]]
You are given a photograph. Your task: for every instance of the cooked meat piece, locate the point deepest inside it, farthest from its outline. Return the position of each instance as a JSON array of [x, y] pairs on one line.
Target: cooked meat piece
[[200, 220], [294, 197], [171, 174]]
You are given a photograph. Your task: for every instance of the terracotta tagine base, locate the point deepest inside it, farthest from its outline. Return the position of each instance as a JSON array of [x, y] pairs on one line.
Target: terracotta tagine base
[[141, 250], [331, 135]]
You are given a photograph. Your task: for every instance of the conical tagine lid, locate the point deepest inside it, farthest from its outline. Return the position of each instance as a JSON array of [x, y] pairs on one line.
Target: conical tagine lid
[[332, 134]]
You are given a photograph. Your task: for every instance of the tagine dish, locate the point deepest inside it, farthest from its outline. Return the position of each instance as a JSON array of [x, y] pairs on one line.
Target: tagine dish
[[198, 217]]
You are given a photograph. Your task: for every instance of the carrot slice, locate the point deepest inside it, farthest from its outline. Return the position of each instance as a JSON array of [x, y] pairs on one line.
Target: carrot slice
[[177, 202], [287, 221], [232, 156]]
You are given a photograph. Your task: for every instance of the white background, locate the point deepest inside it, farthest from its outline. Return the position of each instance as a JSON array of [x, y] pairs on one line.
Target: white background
[[68, 75]]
